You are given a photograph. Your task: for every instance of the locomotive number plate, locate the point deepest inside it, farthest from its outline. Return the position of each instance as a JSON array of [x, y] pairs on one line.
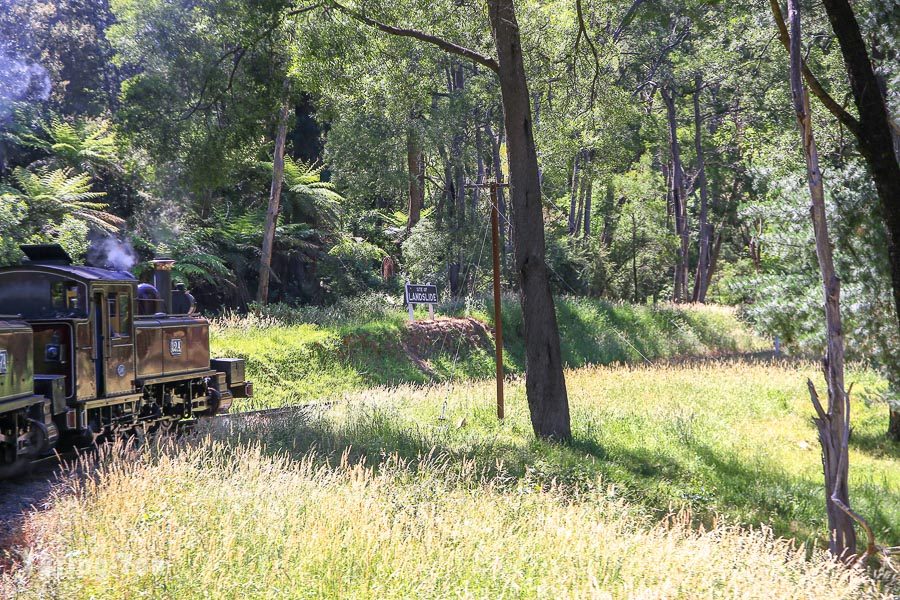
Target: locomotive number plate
[[175, 346], [3, 362]]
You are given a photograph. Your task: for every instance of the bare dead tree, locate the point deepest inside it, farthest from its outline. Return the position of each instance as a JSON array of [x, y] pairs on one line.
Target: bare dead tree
[[833, 425], [265, 266]]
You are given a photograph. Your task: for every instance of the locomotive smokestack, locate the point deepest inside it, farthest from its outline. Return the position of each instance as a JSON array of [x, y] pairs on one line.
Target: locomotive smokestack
[[162, 279]]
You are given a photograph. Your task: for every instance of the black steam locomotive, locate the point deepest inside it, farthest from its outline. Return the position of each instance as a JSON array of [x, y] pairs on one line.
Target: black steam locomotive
[[87, 352]]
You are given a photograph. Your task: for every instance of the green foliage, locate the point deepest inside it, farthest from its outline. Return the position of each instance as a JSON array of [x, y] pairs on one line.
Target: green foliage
[[52, 205], [85, 145], [308, 198], [351, 267]]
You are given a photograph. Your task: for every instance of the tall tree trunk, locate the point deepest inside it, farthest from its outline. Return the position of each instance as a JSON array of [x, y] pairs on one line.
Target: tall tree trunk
[[545, 385], [415, 161], [833, 425], [714, 257], [582, 193], [679, 204], [587, 209], [457, 87], [702, 275], [876, 143], [894, 425], [574, 195], [479, 168], [634, 271], [265, 265]]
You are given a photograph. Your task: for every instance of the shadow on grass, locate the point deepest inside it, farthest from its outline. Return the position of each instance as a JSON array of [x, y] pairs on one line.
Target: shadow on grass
[[792, 506], [875, 443], [703, 479]]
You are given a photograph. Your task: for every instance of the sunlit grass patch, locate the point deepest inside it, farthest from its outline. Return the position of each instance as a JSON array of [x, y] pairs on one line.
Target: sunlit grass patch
[[291, 361], [418, 491]]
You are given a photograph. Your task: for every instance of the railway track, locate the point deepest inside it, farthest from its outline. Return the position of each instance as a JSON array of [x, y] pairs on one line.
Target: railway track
[[50, 464]]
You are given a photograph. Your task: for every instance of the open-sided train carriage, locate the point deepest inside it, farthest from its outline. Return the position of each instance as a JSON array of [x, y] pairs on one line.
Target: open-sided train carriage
[[107, 354]]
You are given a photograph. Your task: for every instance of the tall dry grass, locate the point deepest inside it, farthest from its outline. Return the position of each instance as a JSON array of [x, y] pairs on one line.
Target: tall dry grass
[[209, 519]]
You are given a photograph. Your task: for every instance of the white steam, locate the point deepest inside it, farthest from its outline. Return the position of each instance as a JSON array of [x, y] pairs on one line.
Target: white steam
[[113, 254], [20, 80]]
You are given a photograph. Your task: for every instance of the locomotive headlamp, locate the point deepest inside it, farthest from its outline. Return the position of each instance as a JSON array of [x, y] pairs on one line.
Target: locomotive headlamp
[[53, 350]]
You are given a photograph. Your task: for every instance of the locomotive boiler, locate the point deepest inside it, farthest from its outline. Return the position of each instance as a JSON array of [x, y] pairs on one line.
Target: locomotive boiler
[[88, 352]]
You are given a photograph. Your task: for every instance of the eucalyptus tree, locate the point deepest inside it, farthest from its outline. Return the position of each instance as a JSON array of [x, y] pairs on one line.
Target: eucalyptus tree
[[545, 383]]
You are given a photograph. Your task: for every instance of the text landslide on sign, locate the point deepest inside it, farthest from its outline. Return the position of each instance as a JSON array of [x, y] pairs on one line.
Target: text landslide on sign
[[421, 294]]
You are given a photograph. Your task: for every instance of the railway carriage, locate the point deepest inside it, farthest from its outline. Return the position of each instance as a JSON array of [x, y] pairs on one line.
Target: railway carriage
[[26, 420], [91, 352]]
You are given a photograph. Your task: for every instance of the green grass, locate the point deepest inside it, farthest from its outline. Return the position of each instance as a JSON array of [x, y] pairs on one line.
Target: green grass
[[379, 496], [291, 362]]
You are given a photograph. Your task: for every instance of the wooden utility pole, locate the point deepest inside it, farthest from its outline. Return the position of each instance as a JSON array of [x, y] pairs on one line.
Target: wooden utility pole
[[498, 313], [498, 318]]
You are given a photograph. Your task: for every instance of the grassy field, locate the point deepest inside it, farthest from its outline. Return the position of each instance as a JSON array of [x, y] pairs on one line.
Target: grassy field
[[682, 482], [296, 356]]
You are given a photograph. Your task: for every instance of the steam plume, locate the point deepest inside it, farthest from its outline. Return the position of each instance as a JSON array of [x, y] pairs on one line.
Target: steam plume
[[112, 253], [20, 80]]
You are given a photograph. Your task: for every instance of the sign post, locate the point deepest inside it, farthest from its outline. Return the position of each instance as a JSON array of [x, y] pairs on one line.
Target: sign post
[[420, 294]]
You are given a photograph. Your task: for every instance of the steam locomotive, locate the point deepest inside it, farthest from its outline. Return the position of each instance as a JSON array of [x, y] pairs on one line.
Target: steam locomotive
[[87, 352]]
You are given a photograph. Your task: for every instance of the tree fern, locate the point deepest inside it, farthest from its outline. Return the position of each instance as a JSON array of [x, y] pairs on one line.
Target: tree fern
[[51, 195], [85, 144], [308, 197]]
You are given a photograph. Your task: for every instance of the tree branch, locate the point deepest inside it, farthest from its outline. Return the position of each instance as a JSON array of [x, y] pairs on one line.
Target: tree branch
[[582, 30], [848, 120], [441, 43], [238, 52]]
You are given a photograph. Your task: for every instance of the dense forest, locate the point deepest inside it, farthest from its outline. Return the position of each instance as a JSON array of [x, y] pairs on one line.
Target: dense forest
[[304, 152]]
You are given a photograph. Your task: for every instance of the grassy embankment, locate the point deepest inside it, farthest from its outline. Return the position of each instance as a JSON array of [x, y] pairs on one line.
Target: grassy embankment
[[380, 497], [342, 350]]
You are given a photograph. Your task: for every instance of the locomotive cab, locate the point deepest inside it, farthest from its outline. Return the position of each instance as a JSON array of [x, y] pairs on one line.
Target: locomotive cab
[[82, 321]]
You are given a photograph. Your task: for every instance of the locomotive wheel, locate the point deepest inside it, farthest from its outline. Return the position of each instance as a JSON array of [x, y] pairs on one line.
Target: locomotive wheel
[[163, 427], [38, 438]]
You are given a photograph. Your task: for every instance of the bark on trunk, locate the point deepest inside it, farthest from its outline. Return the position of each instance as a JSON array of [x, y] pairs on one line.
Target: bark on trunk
[[265, 265], [894, 425], [714, 258], [833, 426], [457, 86], [679, 204], [501, 195], [479, 170], [582, 194], [587, 209], [702, 275], [574, 196], [875, 134], [415, 161], [544, 384]]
